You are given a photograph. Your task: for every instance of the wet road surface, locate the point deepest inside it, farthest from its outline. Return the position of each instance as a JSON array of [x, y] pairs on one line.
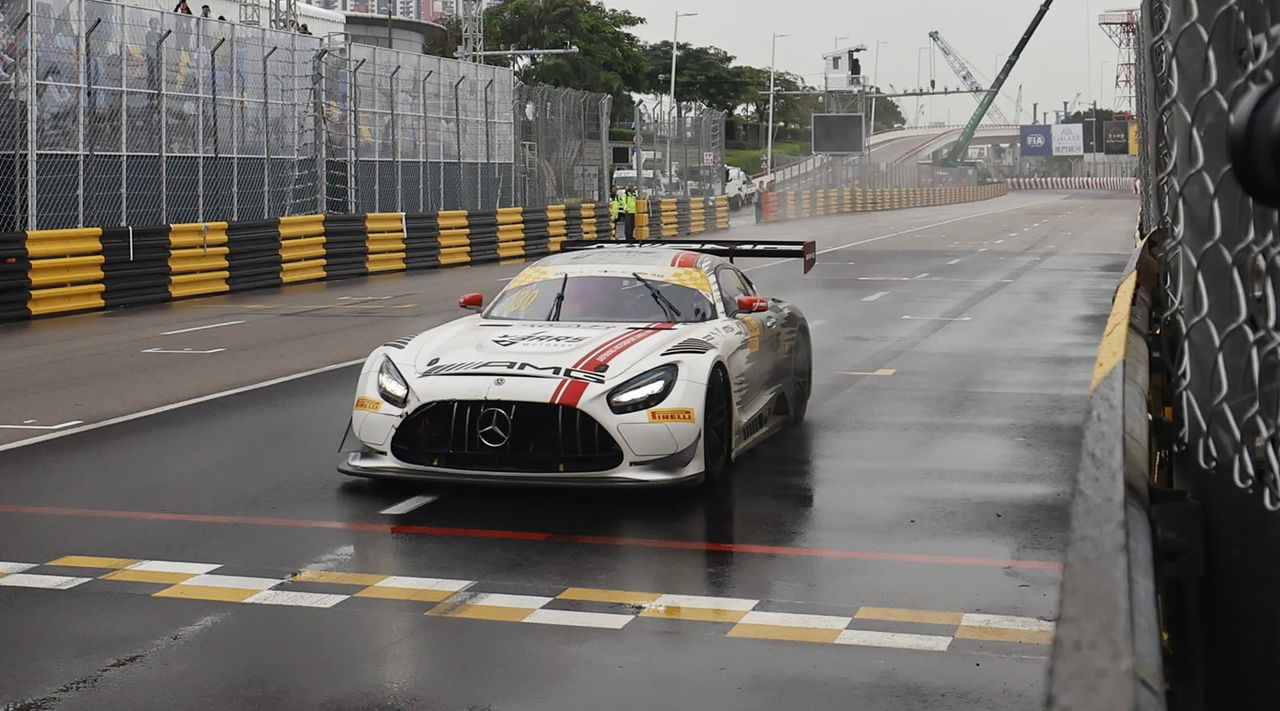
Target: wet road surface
[[899, 550]]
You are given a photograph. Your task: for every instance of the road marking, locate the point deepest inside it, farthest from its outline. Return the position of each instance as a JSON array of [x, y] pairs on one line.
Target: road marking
[[48, 582], [937, 318], [898, 614], [184, 351], [897, 640], [1006, 622], [535, 536], [787, 619], [573, 618], [877, 238], [999, 634], [882, 372], [505, 279], [621, 597], [7, 567], [999, 241], [876, 296], [1013, 234], [954, 261], [177, 405], [41, 427], [201, 328], [365, 298], [921, 275], [408, 505], [295, 599]]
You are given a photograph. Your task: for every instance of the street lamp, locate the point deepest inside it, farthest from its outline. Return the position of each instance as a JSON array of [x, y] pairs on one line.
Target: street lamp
[[675, 34], [773, 62], [875, 83], [919, 85]]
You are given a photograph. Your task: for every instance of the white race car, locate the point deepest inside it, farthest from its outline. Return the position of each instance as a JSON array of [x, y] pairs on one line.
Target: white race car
[[634, 364]]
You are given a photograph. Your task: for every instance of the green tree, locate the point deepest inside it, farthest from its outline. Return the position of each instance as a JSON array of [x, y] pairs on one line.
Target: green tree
[[610, 59], [888, 114], [704, 74]]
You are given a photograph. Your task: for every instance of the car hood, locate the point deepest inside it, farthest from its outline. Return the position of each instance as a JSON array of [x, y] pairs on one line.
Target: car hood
[[474, 346]]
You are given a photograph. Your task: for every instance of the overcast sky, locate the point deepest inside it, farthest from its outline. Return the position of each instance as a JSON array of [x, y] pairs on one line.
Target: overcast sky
[[1065, 56]]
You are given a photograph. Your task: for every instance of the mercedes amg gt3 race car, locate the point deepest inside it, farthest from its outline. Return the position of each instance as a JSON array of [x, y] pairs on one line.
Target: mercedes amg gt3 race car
[[652, 363]]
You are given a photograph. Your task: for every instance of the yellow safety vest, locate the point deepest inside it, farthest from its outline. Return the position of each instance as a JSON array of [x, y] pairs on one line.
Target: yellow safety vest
[[629, 203]]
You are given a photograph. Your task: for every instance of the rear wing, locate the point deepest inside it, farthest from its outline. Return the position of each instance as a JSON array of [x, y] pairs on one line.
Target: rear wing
[[728, 248]]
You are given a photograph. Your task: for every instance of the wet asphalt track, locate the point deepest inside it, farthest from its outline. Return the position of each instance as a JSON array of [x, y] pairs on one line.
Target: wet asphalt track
[[899, 551]]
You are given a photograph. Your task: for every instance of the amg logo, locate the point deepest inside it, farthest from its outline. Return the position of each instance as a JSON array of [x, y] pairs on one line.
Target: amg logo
[[538, 337], [531, 369]]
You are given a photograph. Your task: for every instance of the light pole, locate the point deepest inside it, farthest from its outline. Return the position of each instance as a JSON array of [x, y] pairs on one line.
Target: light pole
[[875, 83], [773, 63], [675, 34], [919, 85]]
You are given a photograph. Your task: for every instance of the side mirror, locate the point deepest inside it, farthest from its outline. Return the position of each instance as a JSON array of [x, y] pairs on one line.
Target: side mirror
[[475, 302], [752, 304]]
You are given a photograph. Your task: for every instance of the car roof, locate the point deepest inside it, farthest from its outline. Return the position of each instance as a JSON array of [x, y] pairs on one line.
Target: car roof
[[633, 257]]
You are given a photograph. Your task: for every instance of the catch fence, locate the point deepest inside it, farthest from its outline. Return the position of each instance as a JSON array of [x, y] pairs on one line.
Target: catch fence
[[681, 149], [118, 115]]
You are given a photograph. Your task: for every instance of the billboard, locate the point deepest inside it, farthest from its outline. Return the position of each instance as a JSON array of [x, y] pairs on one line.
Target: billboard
[[1133, 138], [1115, 138], [1036, 140], [838, 133], [1068, 139]]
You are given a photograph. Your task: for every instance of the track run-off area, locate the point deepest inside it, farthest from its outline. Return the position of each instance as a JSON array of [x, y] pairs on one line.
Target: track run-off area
[[174, 533]]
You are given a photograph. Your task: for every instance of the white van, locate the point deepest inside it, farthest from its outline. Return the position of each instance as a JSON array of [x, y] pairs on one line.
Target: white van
[[739, 187]]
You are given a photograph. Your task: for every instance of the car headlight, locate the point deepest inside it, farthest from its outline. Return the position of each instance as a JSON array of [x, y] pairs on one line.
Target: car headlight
[[643, 391], [391, 384]]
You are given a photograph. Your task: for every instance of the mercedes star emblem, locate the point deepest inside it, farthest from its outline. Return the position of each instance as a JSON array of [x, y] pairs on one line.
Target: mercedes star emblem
[[494, 426]]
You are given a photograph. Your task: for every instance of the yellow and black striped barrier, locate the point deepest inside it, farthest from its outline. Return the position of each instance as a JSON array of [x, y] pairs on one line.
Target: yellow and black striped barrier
[[46, 272], [801, 204]]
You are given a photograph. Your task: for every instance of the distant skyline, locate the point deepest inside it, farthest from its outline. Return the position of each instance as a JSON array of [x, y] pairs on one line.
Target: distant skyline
[[1064, 57]]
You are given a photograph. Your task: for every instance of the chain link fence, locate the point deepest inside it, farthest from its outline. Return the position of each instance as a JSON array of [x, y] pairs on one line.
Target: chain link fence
[[681, 150], [562, 137], [1218, 322], [118, 115]]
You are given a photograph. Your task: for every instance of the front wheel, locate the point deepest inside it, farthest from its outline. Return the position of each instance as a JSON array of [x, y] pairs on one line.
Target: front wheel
[[801, 378], [716, 426], [735, 202]]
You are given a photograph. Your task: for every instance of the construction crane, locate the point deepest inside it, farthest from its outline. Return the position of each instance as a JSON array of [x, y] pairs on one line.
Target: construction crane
[[1017, 106], [961, 147], [962, 71]]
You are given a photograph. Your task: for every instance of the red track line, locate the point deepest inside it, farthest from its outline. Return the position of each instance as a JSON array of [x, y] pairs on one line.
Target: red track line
[[537, 536]]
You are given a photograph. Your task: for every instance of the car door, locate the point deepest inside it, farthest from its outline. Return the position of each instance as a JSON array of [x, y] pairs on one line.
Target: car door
[[753, 362]]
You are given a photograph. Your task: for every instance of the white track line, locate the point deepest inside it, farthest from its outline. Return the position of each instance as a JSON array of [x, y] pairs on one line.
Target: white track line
[[921, 275], [177, 405], [877, 238], [64, 425], [408, 505], [954, 261], [201, 328], [876, 296], [184, 351], [937, 318]]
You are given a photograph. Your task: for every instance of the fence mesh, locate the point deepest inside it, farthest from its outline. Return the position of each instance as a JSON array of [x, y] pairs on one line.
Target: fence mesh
[[118, 115], [1217, 306], [680, 149]]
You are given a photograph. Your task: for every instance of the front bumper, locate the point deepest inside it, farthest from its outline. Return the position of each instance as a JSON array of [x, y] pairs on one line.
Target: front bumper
[[674, 470]]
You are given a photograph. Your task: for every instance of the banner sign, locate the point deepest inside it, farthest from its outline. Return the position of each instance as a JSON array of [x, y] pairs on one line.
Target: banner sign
[[1068, 139], [1036, 140], [1133, 138], [1115, 138]]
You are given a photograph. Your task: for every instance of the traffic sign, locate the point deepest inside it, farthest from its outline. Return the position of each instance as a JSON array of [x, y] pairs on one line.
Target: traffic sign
[[709, 158]]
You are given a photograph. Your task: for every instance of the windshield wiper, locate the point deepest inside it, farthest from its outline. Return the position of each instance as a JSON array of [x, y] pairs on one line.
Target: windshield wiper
[[555, 306], [667, 307]]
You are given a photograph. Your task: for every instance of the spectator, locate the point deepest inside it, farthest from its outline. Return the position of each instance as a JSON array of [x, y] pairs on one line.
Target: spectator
[[182, 7], [222, 18], [302, 29], [206, 12]]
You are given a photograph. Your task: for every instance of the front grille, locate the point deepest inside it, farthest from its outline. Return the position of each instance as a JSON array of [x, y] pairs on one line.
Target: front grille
[[494, 435]]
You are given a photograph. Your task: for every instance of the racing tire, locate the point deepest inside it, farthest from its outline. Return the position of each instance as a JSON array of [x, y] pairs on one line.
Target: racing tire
[[735, 202], [717, 427], [801, 378]]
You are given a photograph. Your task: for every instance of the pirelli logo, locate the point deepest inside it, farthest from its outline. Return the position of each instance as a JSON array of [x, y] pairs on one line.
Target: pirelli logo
[[368, 404], [672, 414]]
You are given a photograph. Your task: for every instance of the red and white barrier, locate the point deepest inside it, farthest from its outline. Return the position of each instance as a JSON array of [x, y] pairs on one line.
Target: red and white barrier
[[1128, 185]]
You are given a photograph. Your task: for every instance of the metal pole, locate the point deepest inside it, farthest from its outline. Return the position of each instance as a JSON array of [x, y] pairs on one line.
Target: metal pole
[[213, 99], [488, 154], [606, 160], [86, 80], [266, 134], [675, 32], [124, 141], [29, 139], [773, 61], [457, 124], [395, 139], [322, 169], [164, 127], [424, 165], [353, 136]]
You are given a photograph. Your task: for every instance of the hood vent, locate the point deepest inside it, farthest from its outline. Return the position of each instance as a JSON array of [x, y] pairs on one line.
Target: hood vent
[[689, 346]]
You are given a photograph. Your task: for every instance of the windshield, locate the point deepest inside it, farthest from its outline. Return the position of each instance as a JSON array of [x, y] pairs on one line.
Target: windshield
[[603, 298]]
